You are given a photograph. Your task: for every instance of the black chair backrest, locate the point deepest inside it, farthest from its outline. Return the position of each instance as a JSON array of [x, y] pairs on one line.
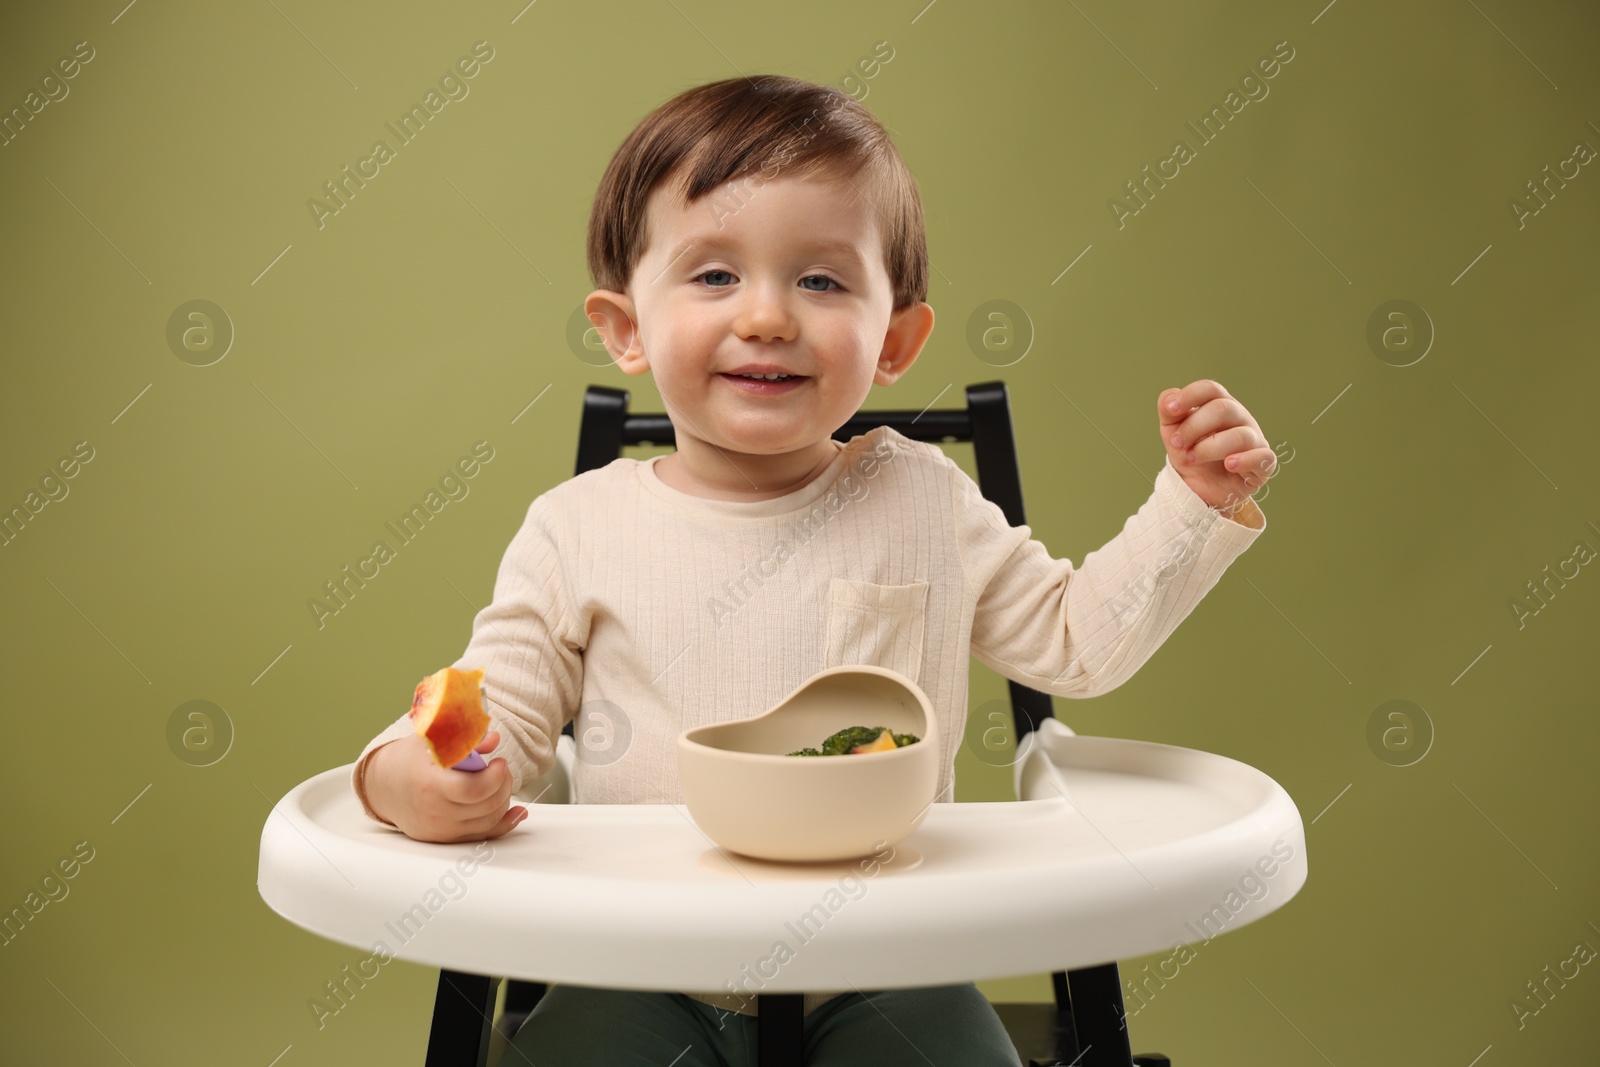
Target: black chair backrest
[[607, 427]]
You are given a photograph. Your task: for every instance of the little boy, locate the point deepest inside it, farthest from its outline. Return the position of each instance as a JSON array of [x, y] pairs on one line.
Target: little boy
[[758, 246]]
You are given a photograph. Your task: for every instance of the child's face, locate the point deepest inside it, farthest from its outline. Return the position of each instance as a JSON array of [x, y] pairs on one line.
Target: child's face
[[788, 273]]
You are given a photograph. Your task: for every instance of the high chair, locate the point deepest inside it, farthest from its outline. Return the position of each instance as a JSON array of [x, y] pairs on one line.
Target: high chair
[[1083, 1028]]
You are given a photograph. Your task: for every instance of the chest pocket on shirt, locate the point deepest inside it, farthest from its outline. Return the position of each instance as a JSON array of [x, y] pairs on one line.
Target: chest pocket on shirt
[[880, 625]]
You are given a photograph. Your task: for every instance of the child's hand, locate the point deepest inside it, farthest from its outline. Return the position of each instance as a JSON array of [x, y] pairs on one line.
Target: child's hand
[[433, 803], [1214, 444]]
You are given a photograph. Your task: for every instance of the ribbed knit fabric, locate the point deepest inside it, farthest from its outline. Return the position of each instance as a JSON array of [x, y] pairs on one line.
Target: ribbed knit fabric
[[643, 611]]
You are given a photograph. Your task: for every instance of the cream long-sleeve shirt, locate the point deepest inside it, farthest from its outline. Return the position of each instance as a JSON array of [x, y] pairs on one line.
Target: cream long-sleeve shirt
[[642, 611]]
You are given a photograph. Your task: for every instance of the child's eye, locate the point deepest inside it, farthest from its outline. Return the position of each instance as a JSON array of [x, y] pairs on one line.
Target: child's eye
[[704, 275]]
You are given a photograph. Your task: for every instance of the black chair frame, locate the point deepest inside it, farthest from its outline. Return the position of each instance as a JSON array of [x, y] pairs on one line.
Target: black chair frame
[[1085, 1027]]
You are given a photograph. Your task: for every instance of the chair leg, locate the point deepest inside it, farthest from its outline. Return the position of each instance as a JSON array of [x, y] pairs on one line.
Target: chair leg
[[1098, 1018], [1066, 1029], [780, 1029], [463, 1009]]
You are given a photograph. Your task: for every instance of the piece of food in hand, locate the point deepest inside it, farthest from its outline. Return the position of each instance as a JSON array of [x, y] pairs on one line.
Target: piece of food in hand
[[448, 712], [854, 740]]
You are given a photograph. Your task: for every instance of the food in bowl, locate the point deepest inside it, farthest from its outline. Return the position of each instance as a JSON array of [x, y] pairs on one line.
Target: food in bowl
[[853, 740]]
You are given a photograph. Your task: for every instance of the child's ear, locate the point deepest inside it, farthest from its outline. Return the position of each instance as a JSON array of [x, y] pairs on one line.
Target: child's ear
[[909, 328], [614, 316]]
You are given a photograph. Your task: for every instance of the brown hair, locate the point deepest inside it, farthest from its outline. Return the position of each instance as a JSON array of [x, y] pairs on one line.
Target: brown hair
[[759, 125]]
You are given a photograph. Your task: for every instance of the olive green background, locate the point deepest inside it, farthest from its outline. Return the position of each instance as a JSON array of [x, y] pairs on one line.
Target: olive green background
[[1412, 502]]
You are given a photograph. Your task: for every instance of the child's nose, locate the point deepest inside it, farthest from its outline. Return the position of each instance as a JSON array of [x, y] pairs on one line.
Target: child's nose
[[765, 315]]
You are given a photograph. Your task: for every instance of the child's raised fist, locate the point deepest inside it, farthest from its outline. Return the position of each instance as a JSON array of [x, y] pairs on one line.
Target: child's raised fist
[[1215, 445]]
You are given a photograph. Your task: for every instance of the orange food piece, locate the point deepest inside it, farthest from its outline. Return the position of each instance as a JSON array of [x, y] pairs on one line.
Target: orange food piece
[[884, 743], [449, 715]]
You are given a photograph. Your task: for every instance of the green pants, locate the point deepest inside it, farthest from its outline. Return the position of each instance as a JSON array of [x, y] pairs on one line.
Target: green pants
[[579, 1026]]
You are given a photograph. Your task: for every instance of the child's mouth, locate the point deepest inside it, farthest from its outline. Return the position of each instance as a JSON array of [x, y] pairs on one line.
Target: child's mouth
[[763, 386]]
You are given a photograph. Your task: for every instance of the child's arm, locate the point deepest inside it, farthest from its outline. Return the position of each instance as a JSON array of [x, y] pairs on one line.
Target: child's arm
[[530, 649], [1079, 632]]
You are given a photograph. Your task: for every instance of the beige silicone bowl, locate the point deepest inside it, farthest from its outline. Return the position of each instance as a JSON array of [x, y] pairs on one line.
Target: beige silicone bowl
[[750, 797]]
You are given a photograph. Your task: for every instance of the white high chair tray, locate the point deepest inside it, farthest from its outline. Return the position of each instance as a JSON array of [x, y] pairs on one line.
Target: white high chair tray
[[1157, 846]]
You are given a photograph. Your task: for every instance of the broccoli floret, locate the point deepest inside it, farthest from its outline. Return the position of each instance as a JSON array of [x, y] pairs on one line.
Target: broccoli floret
[[850, 737], [842, 742]]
